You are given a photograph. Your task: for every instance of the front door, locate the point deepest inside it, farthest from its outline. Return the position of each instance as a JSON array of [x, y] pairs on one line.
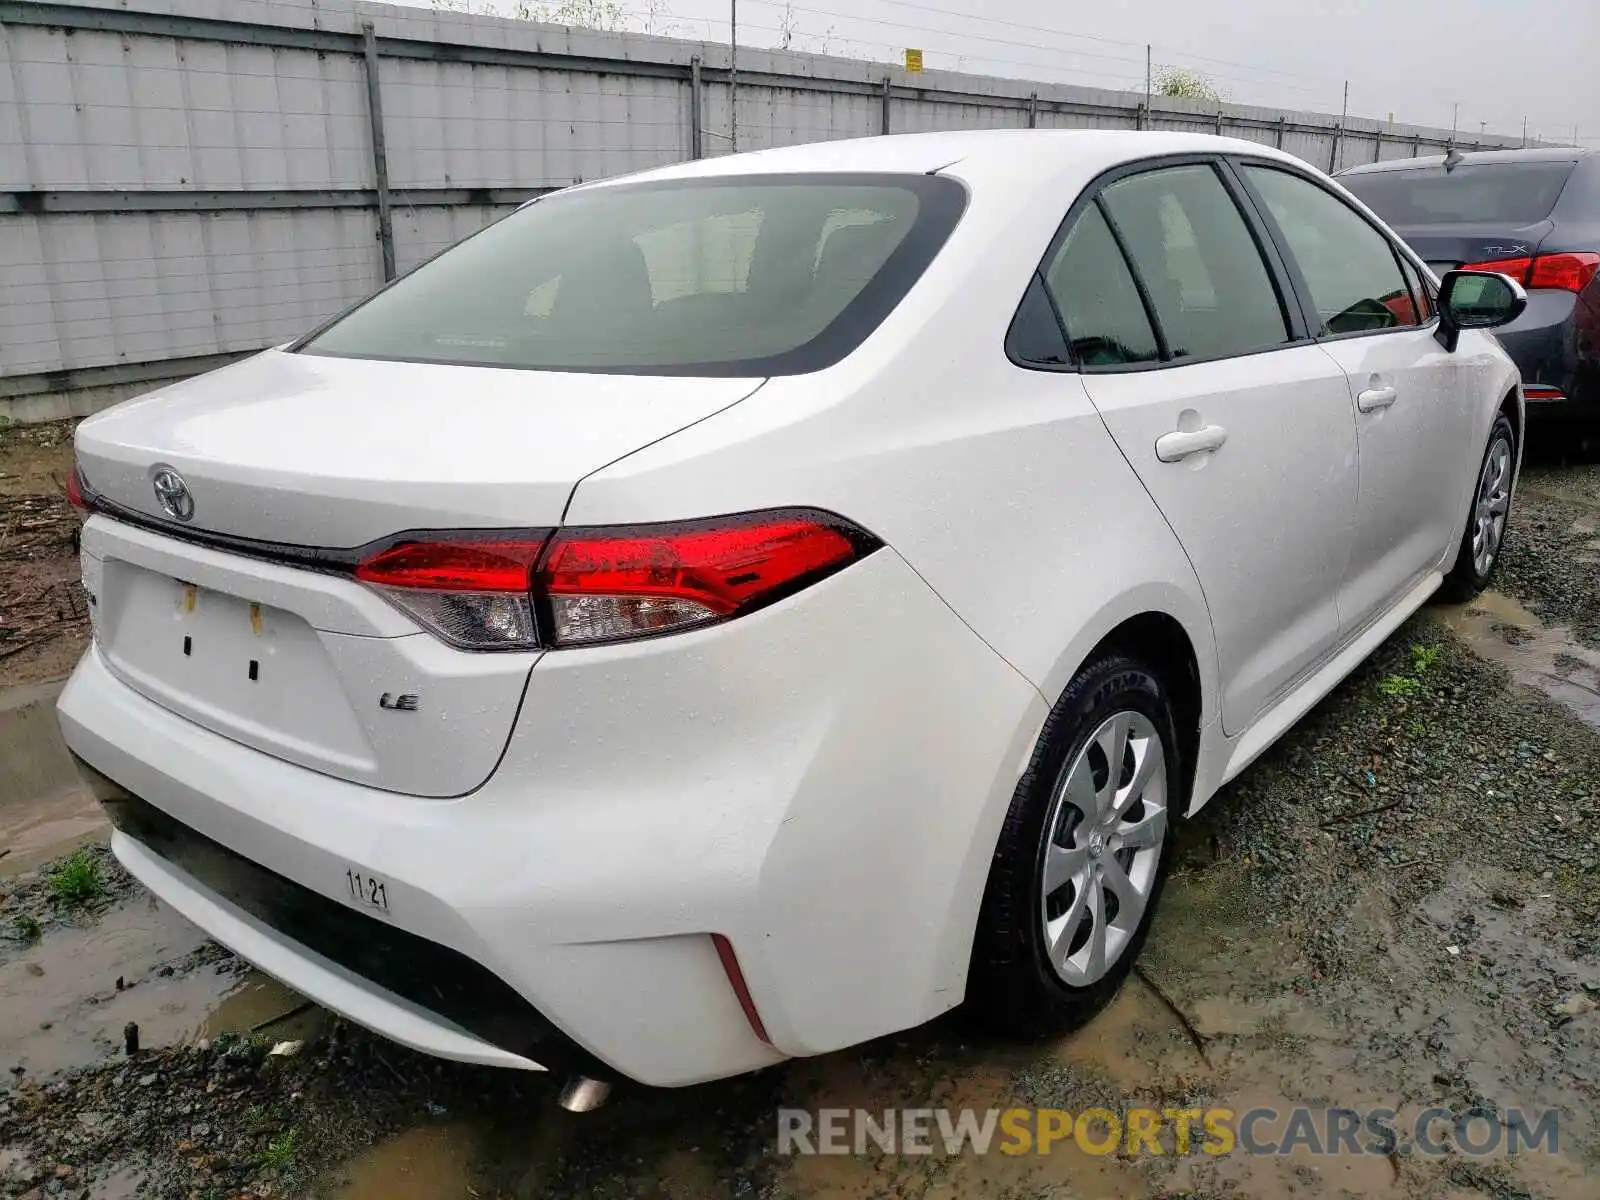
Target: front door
[[1414, 424], [1244, 440]]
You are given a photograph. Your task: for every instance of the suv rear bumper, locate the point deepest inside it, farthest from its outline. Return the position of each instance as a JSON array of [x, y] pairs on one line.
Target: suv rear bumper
[[821, 783]]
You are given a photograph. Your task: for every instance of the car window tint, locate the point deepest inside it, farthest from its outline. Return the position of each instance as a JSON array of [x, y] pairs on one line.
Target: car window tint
[[1210, 288], [1035, 334], [1516, 193], [1093, 288], [745, 276], [1352, 270], [1419, 289]]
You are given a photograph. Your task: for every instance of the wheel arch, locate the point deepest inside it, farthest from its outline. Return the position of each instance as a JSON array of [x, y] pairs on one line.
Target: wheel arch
[[1167, 627]]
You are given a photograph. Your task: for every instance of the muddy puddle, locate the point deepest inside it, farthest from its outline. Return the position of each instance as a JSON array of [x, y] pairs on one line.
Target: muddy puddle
[[1545, 657], [66, 1001], [426, 1163], [35, 831]]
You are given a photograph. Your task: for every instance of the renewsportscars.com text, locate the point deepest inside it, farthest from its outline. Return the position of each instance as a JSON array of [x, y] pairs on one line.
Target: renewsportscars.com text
[[1180, 1131]]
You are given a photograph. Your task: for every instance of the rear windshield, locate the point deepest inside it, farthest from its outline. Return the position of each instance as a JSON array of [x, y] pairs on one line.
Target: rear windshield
[[1501, 193], [736, 275]]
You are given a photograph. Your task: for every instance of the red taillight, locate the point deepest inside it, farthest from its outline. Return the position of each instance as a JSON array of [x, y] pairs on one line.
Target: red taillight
[[612, 584], [466, 565], [75, 496], [1564, 272], [1558, 272], [1517, 268], [494, 591], [472, 590]]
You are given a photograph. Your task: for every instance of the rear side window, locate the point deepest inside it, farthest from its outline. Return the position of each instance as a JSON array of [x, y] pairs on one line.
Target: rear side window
[[1199, 264], [1352, 270], [1503, 193], [1099, 302], [741, 275]]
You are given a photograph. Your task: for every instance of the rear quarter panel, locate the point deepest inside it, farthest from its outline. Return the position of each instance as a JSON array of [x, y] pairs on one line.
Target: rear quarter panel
[[999, 485]]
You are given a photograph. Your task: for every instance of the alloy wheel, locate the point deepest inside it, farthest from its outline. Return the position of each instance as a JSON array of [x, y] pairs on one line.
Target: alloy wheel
[[1492, 505], [1103, 839]]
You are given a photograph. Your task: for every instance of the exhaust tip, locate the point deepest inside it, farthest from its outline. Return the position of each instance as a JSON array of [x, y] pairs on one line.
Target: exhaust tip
[[582, 1094]]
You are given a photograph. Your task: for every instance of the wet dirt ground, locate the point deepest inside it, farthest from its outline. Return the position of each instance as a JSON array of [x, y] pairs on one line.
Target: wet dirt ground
[[1399, 905], [43, 619]]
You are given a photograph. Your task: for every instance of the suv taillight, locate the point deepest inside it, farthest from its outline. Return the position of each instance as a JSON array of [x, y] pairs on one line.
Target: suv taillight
[[576, 587], [1570, 272]]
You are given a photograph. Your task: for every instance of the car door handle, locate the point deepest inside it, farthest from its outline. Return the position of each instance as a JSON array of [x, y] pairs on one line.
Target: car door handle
[[1375, 398], [1180, 444]]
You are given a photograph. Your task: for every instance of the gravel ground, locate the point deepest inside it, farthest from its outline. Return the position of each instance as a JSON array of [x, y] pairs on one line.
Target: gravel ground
[[1552, 564], [1399, 903]]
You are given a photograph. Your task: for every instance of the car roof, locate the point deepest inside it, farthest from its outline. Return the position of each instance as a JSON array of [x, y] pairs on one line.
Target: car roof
[[1537, 154], [977, 153]]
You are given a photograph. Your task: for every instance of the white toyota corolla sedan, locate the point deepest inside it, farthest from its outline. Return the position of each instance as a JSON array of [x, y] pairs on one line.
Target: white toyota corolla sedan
[[738, 610]]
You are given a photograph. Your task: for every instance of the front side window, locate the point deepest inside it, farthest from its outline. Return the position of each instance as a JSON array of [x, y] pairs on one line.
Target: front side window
[[1352, 270], [751, 275], [1207, 282], [1419, 290]]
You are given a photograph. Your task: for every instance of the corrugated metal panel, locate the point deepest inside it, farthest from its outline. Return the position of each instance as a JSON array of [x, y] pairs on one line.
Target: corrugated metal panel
[[1313, 147], [930, 116], [770, 116], [420, 233], [172, 111], [1253, 133], [1079, 120], [139, 287], [13, 147], [464, 125], [109, 111], [1184, 125]]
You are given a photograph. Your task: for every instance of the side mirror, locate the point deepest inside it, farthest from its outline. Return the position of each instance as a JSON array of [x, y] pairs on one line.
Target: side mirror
[[1477, 300]]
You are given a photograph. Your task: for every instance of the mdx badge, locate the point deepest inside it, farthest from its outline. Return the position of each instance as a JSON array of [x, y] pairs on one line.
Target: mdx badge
[[172, 493], [405, 702]]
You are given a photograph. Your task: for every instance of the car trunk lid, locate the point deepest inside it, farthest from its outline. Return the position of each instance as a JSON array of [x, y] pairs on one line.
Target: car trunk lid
[[312, 666], [1446, 247], [336, 452]]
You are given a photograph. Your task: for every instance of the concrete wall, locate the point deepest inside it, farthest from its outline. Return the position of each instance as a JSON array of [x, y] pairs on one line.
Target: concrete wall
[[183, 181]]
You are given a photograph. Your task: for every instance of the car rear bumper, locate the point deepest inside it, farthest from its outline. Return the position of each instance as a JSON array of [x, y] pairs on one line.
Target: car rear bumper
[[1556, 351], [820, 783]]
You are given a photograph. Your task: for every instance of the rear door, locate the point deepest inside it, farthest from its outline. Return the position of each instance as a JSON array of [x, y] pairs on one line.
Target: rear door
[[1239, 428], [1414, 420]]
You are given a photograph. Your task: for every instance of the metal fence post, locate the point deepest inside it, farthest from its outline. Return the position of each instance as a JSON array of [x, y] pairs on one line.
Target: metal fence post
[[1283, 123], [1141, 117], [1377, 146], [696, 137], [1416, 144], [887, 84], [1033, 111], [1219, 122], [380, 158]]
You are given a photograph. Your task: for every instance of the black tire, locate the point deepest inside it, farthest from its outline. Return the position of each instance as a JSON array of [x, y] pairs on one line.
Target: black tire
[[1465, 580], [1012, 987]]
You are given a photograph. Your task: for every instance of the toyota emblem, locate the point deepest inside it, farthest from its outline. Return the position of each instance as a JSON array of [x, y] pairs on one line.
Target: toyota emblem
[[172, 493]]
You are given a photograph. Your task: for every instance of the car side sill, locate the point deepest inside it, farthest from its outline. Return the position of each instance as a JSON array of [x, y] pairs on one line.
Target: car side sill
[[1275, 722]]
